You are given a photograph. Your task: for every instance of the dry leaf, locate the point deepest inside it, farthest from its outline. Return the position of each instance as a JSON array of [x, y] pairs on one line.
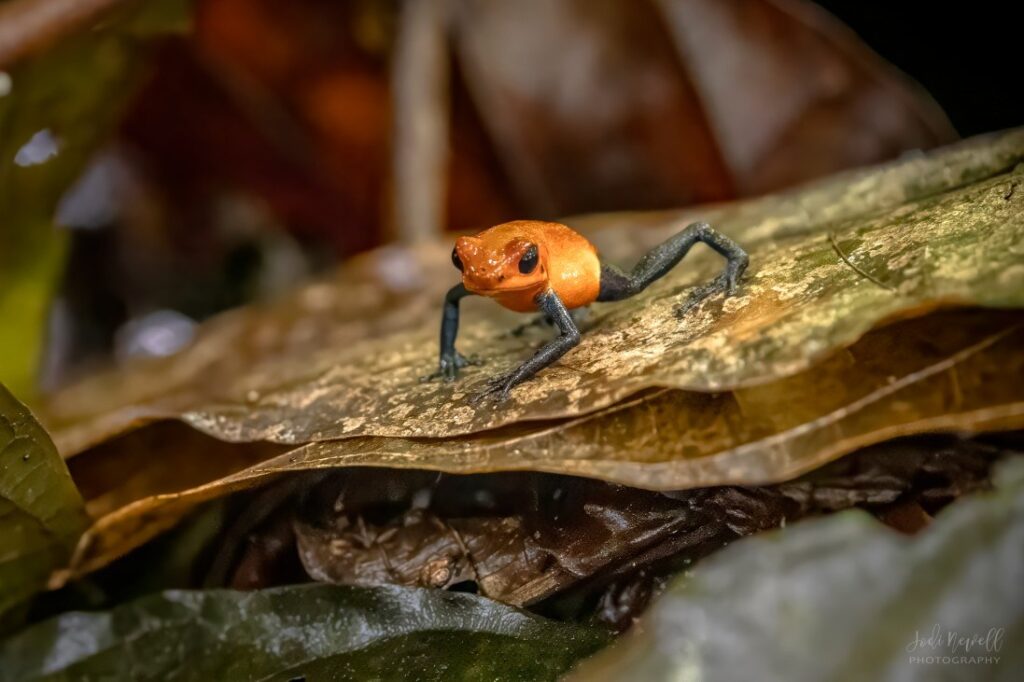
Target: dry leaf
[[605, 105], [920, 375], [293, 372], [793, 94], [519, 538], [799, 302]]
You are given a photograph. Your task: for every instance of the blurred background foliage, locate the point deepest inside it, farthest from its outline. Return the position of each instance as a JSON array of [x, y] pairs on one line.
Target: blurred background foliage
[[233, 147], [67, 103]]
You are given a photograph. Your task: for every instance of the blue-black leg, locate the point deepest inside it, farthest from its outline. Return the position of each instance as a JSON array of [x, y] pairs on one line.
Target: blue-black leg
[[579, 318], [569, 336], [451, 361], [617, 285]]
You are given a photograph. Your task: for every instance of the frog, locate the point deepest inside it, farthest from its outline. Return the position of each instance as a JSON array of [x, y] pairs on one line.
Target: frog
[[539, 266]]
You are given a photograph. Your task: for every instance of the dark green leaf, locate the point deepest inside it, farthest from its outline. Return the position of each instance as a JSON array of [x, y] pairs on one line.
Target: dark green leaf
[[316, 631], [846, 599], [41, 512]]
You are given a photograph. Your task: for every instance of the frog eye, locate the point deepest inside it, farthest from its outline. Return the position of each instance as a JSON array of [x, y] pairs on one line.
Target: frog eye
[[456, 261], [528, 262]]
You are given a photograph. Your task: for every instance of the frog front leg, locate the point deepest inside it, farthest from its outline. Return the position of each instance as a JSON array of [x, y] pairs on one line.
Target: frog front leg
[[617, 285], [580, 317], [569, 337], [451, 361]]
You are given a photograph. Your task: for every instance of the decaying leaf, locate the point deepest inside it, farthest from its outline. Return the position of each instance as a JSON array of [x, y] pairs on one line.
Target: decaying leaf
[[583, 133], [799, 302], [736, 98], [166, 458], [301, 632], [616, 407], [863, 599], [558, 106], [41, 514], [874, 245], [944, 371], [519, 538], [794, 94]]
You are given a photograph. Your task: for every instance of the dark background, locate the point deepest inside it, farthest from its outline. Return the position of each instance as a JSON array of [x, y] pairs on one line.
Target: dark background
[[968, 55]]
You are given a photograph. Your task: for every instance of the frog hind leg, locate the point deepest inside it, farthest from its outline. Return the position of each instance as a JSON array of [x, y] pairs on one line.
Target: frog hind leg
[[617, 285]]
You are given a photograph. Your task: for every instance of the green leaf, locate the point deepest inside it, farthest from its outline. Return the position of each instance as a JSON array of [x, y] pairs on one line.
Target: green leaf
[[60, 107], [41, 513], [316, 631], [846, 599]]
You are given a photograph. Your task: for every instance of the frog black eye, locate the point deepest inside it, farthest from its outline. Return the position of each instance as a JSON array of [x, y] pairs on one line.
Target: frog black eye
[[528, 262], [456, 261]]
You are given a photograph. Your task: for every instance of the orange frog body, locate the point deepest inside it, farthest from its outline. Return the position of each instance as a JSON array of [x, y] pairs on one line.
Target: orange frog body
[[530, 265], [564, 262]]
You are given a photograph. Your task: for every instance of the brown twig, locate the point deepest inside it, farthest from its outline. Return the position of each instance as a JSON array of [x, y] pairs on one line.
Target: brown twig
[[27, 26], [420, 85]]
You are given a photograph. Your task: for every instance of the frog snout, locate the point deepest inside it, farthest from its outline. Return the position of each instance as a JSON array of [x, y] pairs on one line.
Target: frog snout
[[481, 279], [481, 270]]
